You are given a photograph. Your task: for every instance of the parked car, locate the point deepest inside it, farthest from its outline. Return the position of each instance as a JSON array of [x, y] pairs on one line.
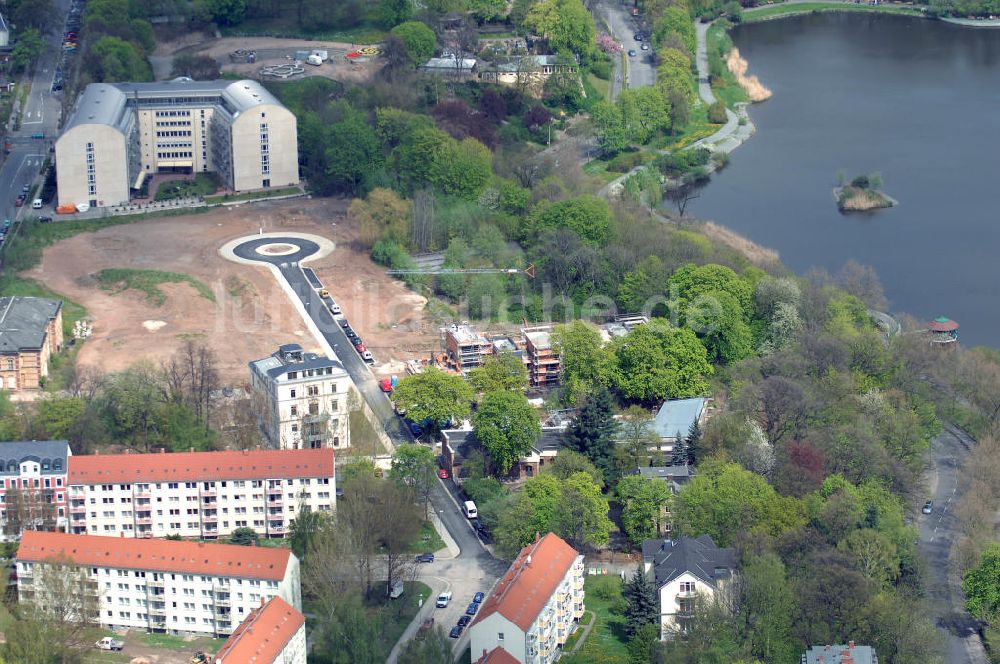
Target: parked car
[[443, 473], [645, 46], [385, 385], [344, 323], [443, 599], [631, 53], [473, 608], [109, 643], [44, 220], [425, 558], [638, 37], [464, 620], [928, 507], [455, 632], [484, 536], [415, 428], [368, 357], [351, 334], [25, 188], [478, 598], [359, 346], [20, 201], [6, 224]]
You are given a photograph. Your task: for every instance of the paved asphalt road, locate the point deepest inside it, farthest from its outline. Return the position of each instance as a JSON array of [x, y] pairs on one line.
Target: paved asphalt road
[[623, 28], [40, 114], [937, 532], [474, 569]]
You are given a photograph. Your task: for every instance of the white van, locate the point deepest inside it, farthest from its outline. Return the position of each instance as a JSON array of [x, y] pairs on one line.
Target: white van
[[36, 204], [470, 510]]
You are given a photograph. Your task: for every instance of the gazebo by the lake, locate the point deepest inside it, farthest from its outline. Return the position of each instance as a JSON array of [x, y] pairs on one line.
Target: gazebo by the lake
[[942, 330]]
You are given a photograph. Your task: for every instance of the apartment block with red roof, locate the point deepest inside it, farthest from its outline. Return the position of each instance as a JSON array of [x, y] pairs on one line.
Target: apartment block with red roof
[[168, 586], [202, 495], [535, 606], [273, 634]]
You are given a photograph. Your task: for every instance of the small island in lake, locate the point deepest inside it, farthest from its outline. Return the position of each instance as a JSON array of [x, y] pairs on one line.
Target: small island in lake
[[863, 193]]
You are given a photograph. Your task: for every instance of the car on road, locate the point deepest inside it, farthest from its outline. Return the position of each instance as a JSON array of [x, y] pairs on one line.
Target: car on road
[[478, 598], [928, 507], [20, 201], [645, 46], [344, 324], [443, 473], [425, 558], [385, 385], [334, 308], [360, 347], [464, 620], [351, 334], [484, 536], [455, 632], [6, 224], [368, 357], [472, 609], [25, 188], [443, 599], [631, 53], [638, 37]]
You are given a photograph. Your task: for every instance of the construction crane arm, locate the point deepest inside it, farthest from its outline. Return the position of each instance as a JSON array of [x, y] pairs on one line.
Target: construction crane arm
[[529, 271]]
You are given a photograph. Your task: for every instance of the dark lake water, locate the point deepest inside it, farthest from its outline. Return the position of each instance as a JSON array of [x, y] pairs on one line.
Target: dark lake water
[[918, 101]]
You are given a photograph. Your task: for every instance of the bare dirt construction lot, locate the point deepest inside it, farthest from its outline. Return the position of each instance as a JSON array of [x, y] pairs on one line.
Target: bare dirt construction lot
[[270, 51], [251, 314]]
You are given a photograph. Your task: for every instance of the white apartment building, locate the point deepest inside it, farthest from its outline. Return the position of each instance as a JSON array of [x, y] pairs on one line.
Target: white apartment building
[[202, 495], [683, 570], [535, 607], [165, 585], [121, 133], [37, 470], [273, 634], [302, 399]]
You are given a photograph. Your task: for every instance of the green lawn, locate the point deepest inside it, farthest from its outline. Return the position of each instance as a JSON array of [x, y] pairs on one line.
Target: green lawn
[[606, 642], [173, 642], [697, 128], [719, 44], [603, 87], [287, 27], [428, 540], [777, 11], [253, 195], [117, 280], [203, 184]]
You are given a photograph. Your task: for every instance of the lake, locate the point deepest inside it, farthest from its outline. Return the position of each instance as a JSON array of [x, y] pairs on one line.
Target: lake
[[917, 101]]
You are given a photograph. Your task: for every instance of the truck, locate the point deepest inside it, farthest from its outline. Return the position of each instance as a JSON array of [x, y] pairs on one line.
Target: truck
[[109, 643]]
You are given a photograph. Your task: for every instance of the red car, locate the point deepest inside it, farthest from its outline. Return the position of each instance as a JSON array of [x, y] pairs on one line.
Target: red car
[[19, 202], [442, 473], [385, 385], [360, 348]]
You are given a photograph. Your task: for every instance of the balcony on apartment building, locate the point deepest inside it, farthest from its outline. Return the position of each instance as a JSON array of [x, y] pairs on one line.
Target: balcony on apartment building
[[142, 494], [144, 533], [144, 518], [78, 507], [157, 609], [224, 601], [275, 528], [275, 500]]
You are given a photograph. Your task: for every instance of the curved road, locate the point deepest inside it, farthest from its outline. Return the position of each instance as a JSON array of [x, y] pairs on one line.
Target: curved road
[[946, 603], [474, 569]]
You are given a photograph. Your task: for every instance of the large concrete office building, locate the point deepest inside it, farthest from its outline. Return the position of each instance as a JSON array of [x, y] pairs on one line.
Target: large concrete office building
[[119, 134]]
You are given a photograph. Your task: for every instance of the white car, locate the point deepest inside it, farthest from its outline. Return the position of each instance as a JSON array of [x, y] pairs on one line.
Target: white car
[[443, 599], [109, 643]]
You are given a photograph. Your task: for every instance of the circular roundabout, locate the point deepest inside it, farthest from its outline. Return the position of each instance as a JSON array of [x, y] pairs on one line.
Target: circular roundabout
[[278, 249]]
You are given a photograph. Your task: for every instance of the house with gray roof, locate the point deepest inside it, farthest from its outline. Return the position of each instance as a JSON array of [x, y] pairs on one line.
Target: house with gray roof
[[37, 469], [120, 134], [682, 571], [529, 71], [31, 331], [301, 399], [840, 654]]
